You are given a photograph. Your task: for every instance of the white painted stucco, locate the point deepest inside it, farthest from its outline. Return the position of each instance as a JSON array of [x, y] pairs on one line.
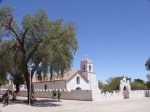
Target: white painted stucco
[[50, 85], [72, 84], [93, 81]]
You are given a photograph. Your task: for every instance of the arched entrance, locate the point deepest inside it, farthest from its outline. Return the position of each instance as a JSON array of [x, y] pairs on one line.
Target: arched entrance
[[125, 88], [125, 92], [78, 88]]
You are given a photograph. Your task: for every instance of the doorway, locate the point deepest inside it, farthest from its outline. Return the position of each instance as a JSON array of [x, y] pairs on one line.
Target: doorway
[[126, 92]]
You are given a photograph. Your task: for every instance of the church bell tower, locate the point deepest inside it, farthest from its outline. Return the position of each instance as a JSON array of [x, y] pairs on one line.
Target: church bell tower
[[86, 65], [86, 68]]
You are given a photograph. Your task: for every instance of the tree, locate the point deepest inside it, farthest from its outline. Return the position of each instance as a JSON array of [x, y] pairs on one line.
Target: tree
[[101, 85], [139, 80], [112, 84], [47, 46], [3, 80], [4, 63], [138, 84], [10, 64], [147, 65]]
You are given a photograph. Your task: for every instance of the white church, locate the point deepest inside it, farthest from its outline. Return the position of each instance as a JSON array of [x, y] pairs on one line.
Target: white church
[[77, 84], [83, 79]]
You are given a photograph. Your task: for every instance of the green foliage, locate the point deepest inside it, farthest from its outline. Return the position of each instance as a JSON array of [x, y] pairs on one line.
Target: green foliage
[[5, 62], [111, 84], [114, 83], [49, 46], [3, 79], [100, 84], [139, 80], [136, 85], [147, 64]]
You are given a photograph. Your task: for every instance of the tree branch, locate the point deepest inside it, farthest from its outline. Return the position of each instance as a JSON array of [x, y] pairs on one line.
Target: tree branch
[[33, 51], [8, 26], [10, 20], [35, 67], [23, 38]]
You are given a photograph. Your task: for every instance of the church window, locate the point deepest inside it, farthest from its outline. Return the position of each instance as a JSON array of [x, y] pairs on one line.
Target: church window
[[89, 67], [83, 67], [78, 80]]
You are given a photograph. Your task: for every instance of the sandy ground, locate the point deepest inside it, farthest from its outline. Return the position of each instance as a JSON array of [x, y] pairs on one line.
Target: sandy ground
[[46, 105]]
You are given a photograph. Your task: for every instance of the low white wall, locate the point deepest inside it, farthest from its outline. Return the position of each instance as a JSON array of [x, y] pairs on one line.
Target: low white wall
[[84, 95], [120, 95], [114, 95], [137, 93]]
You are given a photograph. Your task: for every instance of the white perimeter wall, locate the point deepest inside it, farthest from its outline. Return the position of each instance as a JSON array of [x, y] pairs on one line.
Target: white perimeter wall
[[120, 95], [84, 95]]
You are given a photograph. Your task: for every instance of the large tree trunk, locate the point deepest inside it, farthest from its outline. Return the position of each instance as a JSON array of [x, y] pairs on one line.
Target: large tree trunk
[[17, 87], [15, 92], [26, 76], [27, 79], [31, 95]]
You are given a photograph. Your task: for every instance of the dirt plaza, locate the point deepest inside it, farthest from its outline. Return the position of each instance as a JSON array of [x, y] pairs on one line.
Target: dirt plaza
[[46, 105]]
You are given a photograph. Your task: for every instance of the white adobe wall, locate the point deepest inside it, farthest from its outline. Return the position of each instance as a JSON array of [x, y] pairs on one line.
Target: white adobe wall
[[110, 96], [132, 94], [137, 93], [72, 84], [96, 92], [84, 95], [93, 81], [50, 85]]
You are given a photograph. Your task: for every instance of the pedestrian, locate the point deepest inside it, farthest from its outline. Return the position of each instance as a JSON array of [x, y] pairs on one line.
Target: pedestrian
[[59, 94], [6, 97], [53, 95]]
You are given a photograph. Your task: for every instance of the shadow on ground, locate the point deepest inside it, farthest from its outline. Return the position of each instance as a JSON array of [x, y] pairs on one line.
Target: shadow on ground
[[45, 103], [38, 103]]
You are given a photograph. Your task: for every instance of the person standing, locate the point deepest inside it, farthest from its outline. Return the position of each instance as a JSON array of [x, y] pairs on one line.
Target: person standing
[[59, 94], [6, 97], [53, 95]]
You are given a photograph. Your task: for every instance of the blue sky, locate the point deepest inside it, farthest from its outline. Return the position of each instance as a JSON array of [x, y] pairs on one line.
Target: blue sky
[[115, 34]]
